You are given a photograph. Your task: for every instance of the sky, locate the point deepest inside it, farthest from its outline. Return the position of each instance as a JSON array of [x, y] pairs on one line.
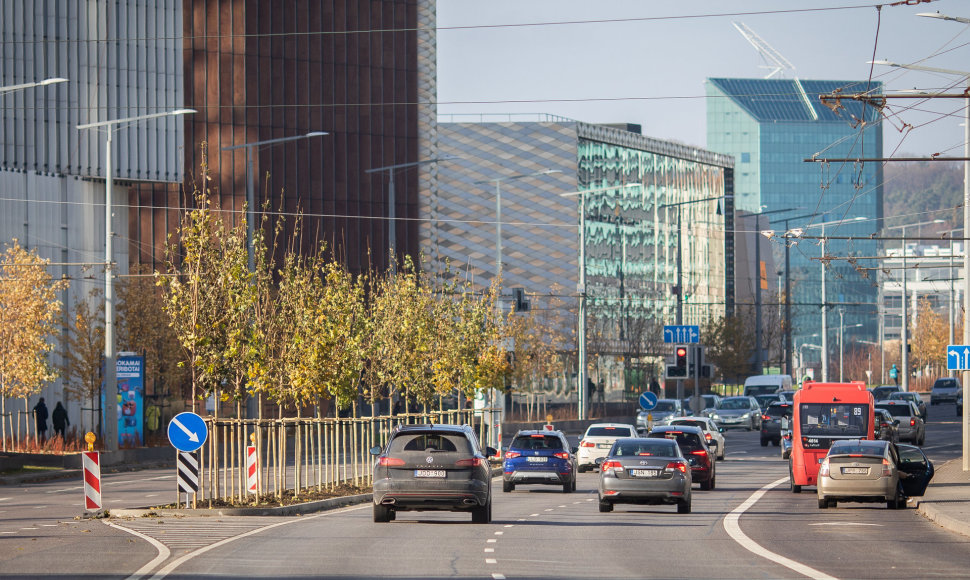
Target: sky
[[646, 62]]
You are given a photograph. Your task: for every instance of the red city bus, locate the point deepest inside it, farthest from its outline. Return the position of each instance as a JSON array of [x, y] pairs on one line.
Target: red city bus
[[825, 412]]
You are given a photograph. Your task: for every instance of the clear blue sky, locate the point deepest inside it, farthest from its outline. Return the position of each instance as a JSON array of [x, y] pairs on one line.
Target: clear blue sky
[[662, 64]]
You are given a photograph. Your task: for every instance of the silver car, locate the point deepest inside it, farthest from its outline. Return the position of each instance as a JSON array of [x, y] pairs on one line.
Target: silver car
[[860, 470], [909, 424], [645, 471], [742, 412], [662, 413]]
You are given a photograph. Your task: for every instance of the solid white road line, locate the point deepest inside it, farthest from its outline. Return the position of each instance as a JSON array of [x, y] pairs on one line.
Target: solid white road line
[[733, 528], [163, 551]]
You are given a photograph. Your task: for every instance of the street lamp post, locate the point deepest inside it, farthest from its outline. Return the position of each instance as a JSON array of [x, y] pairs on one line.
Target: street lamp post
[[966, 222], [20, 87], [110, 372], [250, 188], [581, 322], [392, 202], [905, 313]]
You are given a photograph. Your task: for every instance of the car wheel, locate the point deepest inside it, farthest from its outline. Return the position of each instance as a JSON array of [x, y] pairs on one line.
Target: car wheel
[[713, 480], [567, 487], [683, 506], [706, 485], [776, 442], [922, 439], [581, 469], [791, 480], [764, 441], [606, 506], [574, 485], [382, 513], [823, 503], [508, 486], [483, 514]]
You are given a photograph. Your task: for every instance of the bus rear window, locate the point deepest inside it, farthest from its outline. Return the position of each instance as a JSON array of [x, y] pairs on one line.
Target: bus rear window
[[834, 419]]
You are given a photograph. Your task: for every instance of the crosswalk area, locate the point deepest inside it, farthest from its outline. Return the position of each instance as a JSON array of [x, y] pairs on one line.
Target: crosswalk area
[[183, 535]]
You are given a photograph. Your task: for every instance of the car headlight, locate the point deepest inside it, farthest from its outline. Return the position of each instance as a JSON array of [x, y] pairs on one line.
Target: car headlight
[[746, 416], [715, 416]]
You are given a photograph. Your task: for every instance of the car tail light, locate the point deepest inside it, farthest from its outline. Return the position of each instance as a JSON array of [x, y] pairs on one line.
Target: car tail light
[[765, 418], [912, 422], [586, 444], [886, 472], [471, 462], [610, 466], [561, 455], [823, 470], [699, 452], [677, 466], [512, 454], [389, 461], [707, 436]]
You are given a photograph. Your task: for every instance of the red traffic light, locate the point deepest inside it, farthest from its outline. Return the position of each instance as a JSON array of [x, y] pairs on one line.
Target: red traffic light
[[681, 351]]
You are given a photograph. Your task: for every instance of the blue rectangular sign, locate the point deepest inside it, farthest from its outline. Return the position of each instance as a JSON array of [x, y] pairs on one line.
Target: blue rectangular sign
[[682, 334], [958, 357]]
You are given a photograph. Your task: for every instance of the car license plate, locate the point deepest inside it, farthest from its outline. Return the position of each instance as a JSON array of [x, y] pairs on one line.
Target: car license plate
[[604, 445], [855, 470], [429, 473], [644, 472], [536, 459]]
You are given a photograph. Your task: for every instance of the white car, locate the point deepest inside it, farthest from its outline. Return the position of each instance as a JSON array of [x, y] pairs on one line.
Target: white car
[[711, 431], [598, 440]]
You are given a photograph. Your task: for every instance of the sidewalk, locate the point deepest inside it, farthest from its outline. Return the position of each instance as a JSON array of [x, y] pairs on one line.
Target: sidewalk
[[947, 499]]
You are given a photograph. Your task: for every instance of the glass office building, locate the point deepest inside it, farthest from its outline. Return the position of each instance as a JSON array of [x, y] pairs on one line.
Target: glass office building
[[770, 127], [640, 189]]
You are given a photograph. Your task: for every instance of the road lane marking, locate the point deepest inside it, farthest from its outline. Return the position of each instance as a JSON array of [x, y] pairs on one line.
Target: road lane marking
[[4, 498], [28, 528], [8, 532], [39, 507], [48, 525], [562, 506], [491, 541], [498, 577], [163, 551], [845, 524], [548, 509], [509, 525], [491, 561], [489, 550], [733, 528], [533, 515]]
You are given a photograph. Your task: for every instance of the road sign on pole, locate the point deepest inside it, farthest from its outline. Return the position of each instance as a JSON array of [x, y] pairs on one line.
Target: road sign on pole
[[648, 400], [682, 334], [187, 431], [958, 357]]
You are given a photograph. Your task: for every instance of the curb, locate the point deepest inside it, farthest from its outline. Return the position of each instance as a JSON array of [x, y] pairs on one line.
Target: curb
[[935, 513], [289, 510]]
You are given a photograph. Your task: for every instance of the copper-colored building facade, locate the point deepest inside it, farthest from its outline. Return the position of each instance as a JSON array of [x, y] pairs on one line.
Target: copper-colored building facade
[[259, 70]]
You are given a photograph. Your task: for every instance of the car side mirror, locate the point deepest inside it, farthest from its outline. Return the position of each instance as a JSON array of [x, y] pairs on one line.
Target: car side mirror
[[599, 460], [490, 452], [896, 422], [574, 449], [375, 450]]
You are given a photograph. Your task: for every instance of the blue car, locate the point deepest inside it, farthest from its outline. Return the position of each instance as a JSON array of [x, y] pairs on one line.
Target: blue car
[[539, 457]]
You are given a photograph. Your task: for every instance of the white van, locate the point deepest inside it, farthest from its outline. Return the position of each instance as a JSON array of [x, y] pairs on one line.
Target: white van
[[766, 384]]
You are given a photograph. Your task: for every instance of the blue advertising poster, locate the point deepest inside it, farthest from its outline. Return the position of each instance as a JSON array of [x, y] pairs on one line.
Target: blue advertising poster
[[131, 401]]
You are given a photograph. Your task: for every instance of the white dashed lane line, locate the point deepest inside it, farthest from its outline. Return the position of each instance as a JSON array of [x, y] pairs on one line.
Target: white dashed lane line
[[491, 561], [498, 577]]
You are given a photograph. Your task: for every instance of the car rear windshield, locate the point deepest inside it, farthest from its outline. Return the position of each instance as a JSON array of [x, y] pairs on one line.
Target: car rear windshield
[[897, 410], [634, 448], [834, 419], [858, 448], [664, 406], [609, 432], [691, 423], [537, 442], [903, 396], [686, 441], [430, 442], [778, 410], [945, 383]]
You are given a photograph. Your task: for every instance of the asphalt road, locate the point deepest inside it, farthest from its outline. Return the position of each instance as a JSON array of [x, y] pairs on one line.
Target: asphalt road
[[537, 532]]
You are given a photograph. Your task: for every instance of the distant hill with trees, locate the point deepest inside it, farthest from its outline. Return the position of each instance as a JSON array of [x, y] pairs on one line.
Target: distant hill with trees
[[913, 189]]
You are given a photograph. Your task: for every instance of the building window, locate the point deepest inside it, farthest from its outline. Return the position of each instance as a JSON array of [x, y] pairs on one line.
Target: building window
[[745, 158]]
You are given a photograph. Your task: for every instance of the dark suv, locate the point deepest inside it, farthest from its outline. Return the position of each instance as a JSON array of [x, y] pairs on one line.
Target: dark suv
[[692, 444], [433, 467], [771, 423], [945, 390], [542, 457]]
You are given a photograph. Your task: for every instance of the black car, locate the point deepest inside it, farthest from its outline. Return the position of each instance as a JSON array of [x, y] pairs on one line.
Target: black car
[[433, 468], [883, 391], [692, 444], [885, 426], [539, 457], [771, 423]]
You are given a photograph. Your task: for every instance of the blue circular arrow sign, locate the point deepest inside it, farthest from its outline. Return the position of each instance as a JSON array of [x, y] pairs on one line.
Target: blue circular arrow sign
[[187, 432], [648, 400]]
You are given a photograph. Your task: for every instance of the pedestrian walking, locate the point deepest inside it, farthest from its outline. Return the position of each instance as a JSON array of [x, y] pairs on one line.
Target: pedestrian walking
[[40, 415], [59, 419]]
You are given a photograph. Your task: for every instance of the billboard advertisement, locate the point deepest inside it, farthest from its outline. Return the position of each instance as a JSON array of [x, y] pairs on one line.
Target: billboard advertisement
[[131, 400]]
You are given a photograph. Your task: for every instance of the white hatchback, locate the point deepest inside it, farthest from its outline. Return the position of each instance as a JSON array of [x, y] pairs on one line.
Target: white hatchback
[[712, 432], [598, 440]]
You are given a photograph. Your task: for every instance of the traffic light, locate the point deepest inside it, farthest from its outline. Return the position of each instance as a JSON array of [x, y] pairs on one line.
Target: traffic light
[[521, 304], [680, 358]]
